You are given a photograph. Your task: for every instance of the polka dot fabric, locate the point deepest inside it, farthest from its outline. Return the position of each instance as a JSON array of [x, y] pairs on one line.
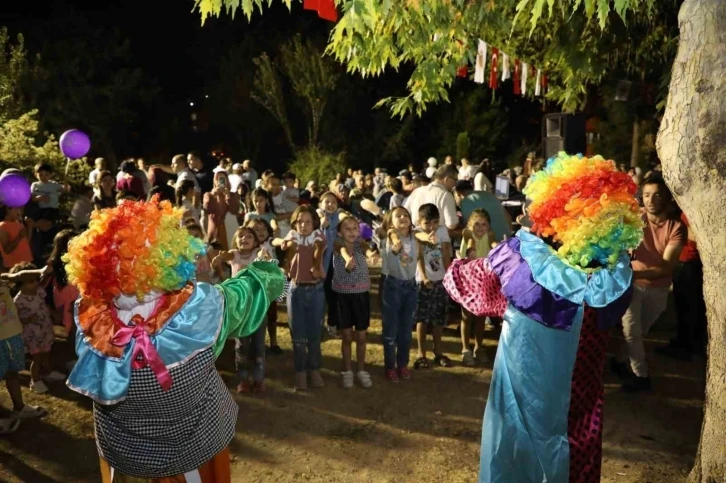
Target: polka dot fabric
[[585, 418], [473, 285]]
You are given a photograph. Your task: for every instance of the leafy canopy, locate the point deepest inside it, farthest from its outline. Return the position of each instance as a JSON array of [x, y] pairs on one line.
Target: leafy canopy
[[438, 36]]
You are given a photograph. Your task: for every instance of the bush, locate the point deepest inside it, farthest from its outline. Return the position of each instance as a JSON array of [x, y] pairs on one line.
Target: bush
[[312, 163], [18, 149]]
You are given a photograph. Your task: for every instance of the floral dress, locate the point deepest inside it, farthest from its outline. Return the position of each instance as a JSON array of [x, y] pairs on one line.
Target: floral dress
[[38, 335]]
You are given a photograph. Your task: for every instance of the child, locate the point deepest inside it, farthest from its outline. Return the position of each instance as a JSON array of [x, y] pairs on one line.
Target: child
[[185, 200], [263, 230], [434, 257], [82, 208], [64, 293], [46, 192], [205, 272], [477, 240], [329, 218], [290, 192], [250, 351], [12, 360], [400, 293], [37, 328], [261, 202], [304, 247], [14, 245], [352, 284], [283, 207]]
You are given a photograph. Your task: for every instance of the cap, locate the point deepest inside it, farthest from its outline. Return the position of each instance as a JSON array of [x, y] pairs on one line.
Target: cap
[[236, 166]]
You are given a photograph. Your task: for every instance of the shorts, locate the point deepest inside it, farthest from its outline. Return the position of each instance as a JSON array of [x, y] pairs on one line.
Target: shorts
[[432, 304], [353, 310], [12, 355]]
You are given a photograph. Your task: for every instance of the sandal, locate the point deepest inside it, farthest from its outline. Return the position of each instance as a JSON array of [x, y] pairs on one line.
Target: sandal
[[9, 426], [421, 363], [442, 361]]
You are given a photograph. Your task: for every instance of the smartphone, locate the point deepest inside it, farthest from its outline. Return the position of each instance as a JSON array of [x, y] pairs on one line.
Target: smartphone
[[222, 182]]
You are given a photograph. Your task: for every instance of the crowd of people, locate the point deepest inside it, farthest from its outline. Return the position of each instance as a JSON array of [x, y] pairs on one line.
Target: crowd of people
[[422, 218]]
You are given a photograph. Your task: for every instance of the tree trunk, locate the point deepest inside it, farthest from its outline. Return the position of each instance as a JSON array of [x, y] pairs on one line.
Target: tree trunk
[[692, 147], [635, 149]]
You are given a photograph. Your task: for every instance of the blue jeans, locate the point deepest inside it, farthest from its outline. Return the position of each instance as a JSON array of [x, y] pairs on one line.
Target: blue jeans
[[250, 355], [399, 305], [305, 310]]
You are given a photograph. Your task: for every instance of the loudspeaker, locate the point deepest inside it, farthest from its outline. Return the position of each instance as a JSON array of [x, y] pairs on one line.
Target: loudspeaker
[[563, 132]]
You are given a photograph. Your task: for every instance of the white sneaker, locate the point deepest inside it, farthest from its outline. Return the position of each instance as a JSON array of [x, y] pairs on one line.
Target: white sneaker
[[38, 387], [55, 376], [347, 379], [30, 412], [364, 379]]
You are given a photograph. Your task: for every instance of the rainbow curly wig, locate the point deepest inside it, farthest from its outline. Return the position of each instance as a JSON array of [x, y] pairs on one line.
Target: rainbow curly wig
[[134, 248], [587, 207]]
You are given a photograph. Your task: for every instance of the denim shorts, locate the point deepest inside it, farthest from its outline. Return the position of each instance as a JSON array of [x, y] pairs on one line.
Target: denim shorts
[[12, 355]]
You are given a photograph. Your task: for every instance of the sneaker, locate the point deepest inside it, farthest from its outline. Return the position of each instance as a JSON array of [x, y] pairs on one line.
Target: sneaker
[[481, 356], [404, 373], [244, 387], [301, 381], [276, 350], [30, 412], [364, 379], [316, 380], [38, 387], [620, 369], [8, 425], [467, 358], [637, 384], [55, 376], [391, 375], [347, 379]]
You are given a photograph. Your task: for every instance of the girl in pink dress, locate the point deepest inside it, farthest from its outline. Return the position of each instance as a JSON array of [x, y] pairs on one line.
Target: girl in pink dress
[[37, 328]]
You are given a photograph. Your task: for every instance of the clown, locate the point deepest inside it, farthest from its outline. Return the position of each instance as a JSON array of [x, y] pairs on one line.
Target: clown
[[148, 337], [559, 288]]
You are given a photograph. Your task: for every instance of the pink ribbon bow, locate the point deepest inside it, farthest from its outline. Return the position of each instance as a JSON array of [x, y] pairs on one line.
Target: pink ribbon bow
[[144, 354]]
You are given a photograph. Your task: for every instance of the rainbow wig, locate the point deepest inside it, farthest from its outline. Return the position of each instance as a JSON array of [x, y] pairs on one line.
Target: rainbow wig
[[134, 248], [586, 207]]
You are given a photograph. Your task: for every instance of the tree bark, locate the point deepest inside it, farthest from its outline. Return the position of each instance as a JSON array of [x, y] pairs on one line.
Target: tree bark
[[692, 147]]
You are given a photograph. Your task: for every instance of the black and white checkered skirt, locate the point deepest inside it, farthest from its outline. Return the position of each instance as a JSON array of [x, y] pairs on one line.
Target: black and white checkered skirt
[[154, 434]]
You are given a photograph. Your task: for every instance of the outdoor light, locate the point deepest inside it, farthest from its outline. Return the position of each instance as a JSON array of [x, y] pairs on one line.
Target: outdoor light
[[191, 104]]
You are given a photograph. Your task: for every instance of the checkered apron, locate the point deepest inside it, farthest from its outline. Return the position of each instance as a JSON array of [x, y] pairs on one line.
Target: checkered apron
[[155, 434]]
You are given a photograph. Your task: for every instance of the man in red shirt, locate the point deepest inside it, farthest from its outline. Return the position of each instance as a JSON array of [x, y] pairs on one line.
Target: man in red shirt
[[653, 264], [690, 307]]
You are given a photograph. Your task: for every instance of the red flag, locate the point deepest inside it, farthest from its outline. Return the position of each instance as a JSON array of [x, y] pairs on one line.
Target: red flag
[[462, 71], [311, 4], [544, 82], [495, 66], [517, 77], [327, 11]]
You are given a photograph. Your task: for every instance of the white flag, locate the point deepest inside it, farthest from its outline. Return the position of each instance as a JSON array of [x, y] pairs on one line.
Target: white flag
[[506, 73], [481, 60], [537, 80], [524, 78]]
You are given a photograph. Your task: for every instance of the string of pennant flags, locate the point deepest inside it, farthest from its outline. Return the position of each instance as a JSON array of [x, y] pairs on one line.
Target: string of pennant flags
[[515, 69], [504, 67]]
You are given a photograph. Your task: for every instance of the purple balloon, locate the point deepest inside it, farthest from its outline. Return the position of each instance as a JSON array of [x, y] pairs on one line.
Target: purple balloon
[[366, 232], [14, 190], [74, 144]]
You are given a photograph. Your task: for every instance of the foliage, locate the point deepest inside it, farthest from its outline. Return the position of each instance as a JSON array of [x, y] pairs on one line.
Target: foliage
[[268, 93], [14, 67], [19, 149], [313, 163], [462, 145], [437, 36], [87, 80], [312, 77]]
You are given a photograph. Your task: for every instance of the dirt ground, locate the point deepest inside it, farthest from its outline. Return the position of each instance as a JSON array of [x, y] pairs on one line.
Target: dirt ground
[[424, 430]]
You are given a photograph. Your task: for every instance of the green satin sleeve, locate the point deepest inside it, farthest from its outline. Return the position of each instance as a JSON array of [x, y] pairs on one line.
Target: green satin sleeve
[[247, 297]]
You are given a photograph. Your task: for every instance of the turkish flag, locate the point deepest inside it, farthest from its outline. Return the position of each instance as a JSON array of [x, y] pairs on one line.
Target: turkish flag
[[311, 4], [462, 71], [517, 79], [327, 11]]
